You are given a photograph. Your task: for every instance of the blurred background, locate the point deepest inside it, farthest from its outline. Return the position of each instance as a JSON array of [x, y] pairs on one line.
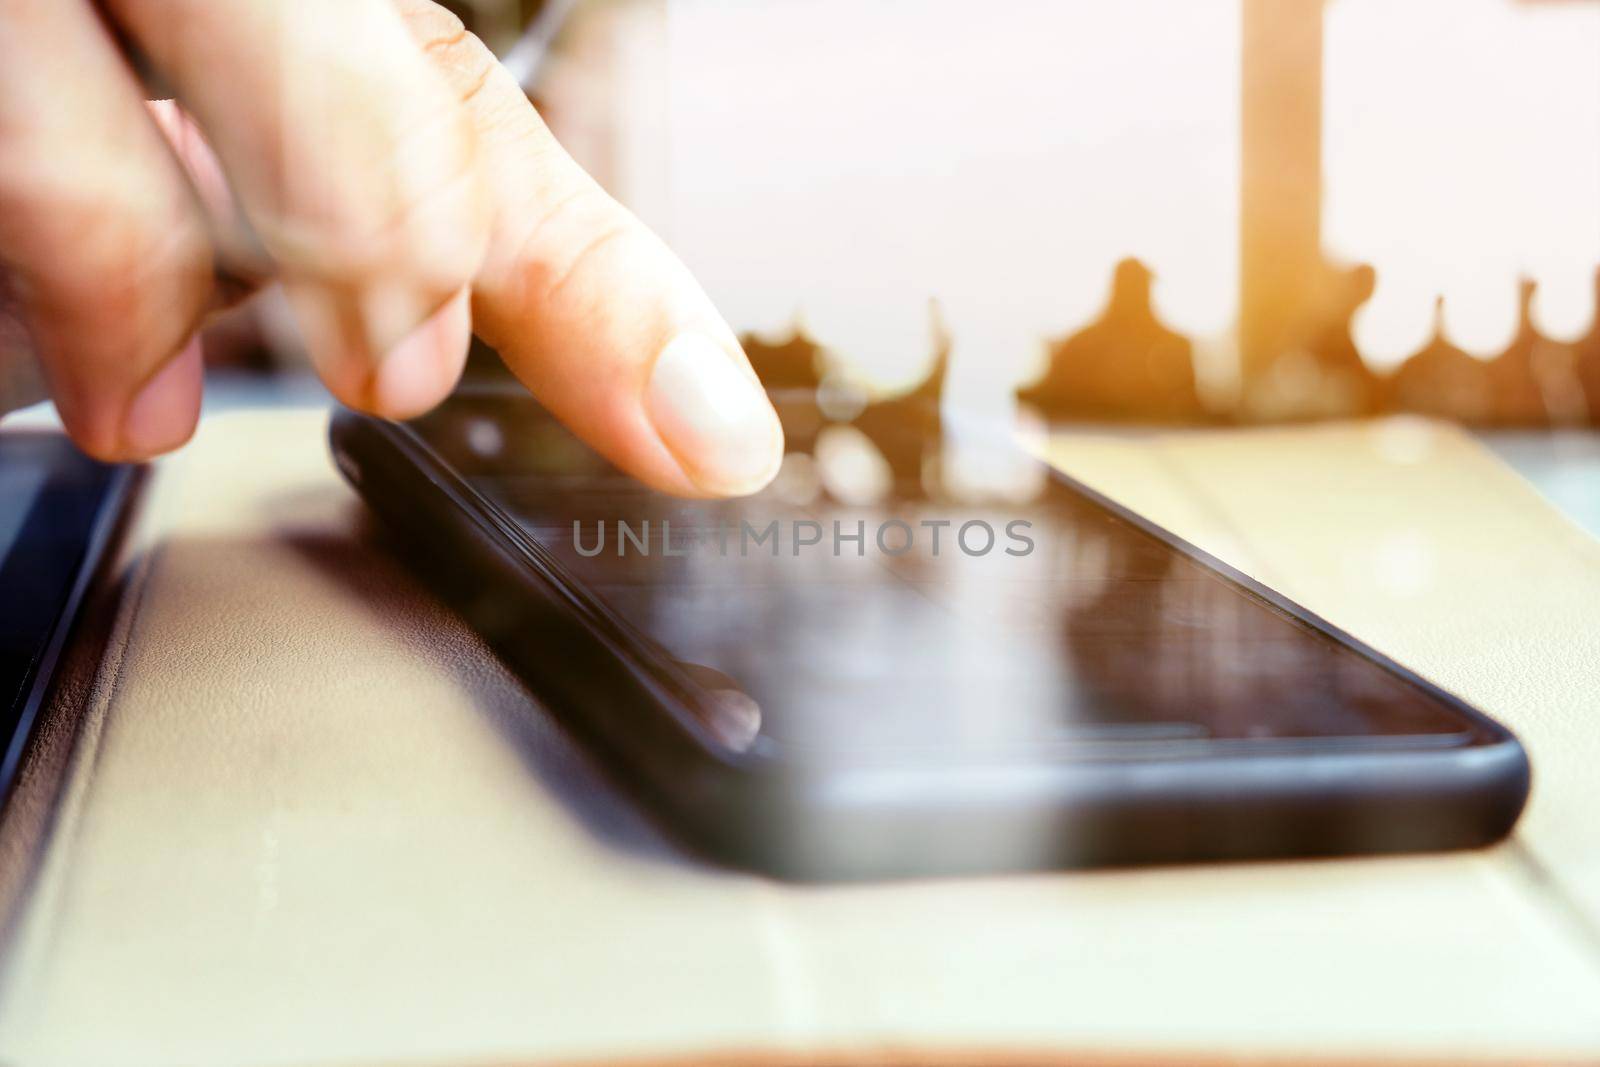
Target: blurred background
[[1146, 211]]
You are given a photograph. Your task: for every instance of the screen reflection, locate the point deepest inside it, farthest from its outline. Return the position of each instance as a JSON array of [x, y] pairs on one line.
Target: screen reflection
[[921, 622]]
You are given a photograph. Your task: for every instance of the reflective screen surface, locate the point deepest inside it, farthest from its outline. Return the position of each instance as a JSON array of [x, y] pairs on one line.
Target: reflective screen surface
[[919, 623]]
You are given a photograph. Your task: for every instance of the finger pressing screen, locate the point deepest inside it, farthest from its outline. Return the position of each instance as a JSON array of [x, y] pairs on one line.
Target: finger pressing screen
[[356, 167], [591, 310], [104, 249]]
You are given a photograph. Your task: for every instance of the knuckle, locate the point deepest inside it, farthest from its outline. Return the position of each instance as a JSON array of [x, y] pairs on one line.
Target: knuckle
[[465, 61], [428, 21], [467, 65]]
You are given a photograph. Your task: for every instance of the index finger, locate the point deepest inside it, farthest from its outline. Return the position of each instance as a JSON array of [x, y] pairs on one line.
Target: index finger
[[591, 310]]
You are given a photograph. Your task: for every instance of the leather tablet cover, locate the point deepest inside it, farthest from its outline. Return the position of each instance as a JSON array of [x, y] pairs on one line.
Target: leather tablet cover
[[307, 819]]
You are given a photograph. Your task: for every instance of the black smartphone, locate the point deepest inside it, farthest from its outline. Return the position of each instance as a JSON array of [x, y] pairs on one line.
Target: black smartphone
[[58, 511], [824, 689]]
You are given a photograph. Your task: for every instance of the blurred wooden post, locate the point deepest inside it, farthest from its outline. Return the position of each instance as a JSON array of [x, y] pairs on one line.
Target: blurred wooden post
[[1280, 188]]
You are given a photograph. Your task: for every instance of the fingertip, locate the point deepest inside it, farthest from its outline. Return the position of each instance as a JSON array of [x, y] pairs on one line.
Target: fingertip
[[389, 351], [420, 371], [165, 410]]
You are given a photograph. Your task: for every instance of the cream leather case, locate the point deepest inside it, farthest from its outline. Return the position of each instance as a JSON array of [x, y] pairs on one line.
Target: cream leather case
[[305, 818]]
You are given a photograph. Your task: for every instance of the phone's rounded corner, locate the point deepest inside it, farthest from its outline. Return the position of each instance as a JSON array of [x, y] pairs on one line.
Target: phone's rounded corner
[[1505, 782]]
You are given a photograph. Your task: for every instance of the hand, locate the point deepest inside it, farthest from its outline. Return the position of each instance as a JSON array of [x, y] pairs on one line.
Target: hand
[[377, 162]]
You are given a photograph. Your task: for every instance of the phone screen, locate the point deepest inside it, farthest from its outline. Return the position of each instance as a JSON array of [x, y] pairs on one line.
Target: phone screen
[[921, 623]]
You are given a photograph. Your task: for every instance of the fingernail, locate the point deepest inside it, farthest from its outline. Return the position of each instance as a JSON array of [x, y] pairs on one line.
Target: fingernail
[[419, 372], [163, 414], [713, 417]]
